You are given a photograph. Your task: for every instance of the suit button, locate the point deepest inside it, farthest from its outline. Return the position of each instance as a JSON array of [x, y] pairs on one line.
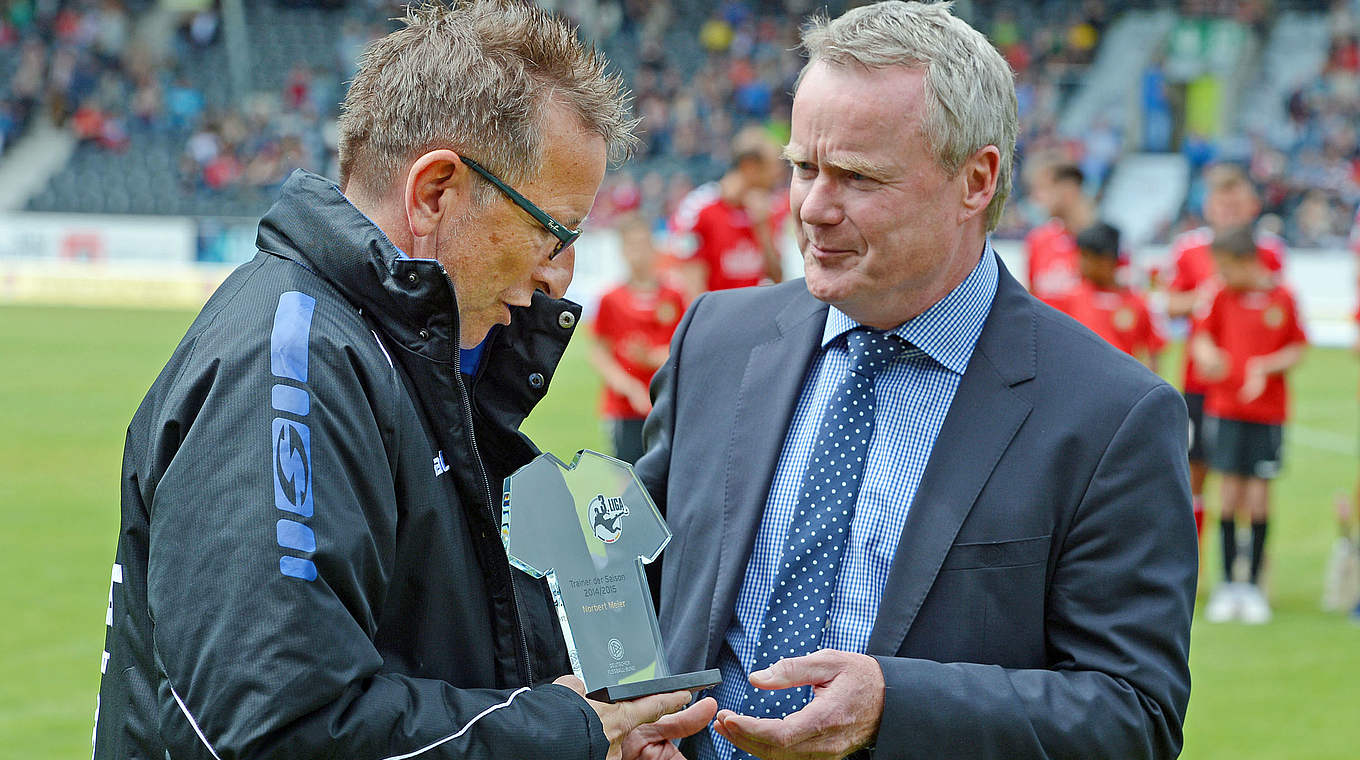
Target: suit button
[[412, 278], [566, 320], [536, 380], [424, 334]]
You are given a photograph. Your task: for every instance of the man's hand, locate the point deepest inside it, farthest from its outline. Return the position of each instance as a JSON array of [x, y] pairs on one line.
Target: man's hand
[[1211, 362], [638, 396], [1205, 294], [757, 204], [621, 718], [843, 716], [652, 741], [1254, 382]]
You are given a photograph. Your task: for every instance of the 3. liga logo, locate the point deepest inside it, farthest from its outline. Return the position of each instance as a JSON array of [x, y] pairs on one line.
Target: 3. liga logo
[[606, 517]]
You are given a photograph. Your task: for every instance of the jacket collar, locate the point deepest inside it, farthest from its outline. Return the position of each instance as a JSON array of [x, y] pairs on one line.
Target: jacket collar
[[412, 300], [315, 225]]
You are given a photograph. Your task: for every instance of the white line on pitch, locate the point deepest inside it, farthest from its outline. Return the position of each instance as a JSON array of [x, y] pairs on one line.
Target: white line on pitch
[[1323, 440]]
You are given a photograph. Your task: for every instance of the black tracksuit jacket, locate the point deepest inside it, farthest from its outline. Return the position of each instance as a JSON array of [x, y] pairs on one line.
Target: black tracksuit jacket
[[309, 563]]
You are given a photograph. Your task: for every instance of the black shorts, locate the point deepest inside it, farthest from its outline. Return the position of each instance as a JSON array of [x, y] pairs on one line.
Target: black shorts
[[1250, 449], [627, 439], [1194, 404]]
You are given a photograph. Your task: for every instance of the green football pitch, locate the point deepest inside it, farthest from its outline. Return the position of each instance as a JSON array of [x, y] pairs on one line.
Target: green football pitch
[[70, 380]]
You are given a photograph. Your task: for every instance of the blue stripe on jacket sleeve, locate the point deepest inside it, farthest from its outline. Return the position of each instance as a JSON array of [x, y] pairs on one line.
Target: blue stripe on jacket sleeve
[[287, 398], [288, 342], [295, 535]]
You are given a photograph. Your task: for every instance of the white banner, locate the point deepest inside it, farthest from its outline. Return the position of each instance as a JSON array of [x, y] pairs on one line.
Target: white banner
[[145, 261], [96, 238]]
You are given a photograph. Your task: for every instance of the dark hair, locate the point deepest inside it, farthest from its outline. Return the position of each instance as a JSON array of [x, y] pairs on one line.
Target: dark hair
[[1236, 242], [1099, 239], [1065, 172]]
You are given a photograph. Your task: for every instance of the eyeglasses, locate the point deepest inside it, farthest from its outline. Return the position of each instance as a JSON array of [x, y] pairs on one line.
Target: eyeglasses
[[565, 235]]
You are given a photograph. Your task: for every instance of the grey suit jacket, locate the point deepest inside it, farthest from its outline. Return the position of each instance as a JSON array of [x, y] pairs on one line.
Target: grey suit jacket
[[1040, 602]]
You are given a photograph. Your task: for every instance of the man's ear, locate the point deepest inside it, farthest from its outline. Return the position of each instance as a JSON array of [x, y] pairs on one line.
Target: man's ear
[[979, 173], [438, 184]]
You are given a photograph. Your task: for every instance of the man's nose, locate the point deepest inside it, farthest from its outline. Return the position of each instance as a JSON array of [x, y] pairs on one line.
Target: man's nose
[[554, 275], [820, 205]]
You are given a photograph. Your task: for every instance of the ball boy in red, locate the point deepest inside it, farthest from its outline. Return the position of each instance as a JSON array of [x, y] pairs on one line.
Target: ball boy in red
[[1247, 341], [633, 328], [1231, 202], [1118, 314]]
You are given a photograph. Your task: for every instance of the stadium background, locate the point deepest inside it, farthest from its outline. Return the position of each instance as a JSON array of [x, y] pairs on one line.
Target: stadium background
[[140, 139]]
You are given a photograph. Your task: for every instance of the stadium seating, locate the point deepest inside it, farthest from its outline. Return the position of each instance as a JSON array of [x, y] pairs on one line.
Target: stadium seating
[[699, 69]]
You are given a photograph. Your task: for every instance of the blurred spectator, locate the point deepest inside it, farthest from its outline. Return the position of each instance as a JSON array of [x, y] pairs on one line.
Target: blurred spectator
[[633, 328], [1249, 338], [701, 72], [1231, 204], [1157, 119], [1051, 248], [184, 104], [1116, 313], [729, 229]]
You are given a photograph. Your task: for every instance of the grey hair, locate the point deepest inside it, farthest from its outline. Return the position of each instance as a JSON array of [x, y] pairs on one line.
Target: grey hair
[[476, 77], [970, 89]]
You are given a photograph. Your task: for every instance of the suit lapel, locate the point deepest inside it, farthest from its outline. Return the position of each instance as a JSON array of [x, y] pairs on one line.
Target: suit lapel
[[769, 391], [983, 418]]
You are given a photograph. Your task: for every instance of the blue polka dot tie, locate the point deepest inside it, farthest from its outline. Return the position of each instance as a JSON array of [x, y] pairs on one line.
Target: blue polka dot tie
[[806, 577]]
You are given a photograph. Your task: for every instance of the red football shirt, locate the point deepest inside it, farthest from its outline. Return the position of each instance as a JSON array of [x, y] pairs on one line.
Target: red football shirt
[[721, 235], [1120, 316], [633, 323], [1194, 265], [1053, 259], [1355, 246], [1247, 324]]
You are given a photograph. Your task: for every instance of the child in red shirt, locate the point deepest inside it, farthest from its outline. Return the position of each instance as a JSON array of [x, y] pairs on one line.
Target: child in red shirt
[[633, 328], [1115, 313], [1231, 201], [1247, 341]]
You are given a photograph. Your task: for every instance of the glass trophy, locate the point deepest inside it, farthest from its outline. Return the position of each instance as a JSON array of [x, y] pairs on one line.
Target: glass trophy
[[588, 527]]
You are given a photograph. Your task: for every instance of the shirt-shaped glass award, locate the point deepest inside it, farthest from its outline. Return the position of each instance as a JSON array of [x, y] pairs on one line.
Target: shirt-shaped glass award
[[589, 527]]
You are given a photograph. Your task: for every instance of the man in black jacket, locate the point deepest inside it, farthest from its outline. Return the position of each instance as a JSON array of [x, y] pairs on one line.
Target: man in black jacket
[[310, 562]]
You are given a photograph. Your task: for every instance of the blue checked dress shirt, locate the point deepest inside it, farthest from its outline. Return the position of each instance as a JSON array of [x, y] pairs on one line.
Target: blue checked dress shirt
[[805, 580], [912, 398]]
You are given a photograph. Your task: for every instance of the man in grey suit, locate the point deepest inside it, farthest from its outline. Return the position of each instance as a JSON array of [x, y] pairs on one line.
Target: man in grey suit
[[915, 510]]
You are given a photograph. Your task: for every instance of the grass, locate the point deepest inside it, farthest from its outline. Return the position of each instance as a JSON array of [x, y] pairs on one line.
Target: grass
[[72, 378]]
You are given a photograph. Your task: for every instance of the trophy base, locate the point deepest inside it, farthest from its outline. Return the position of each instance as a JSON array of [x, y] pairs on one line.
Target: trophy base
[[701, 679]]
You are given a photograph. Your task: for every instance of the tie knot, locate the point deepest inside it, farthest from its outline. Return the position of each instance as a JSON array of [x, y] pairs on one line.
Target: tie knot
[[872, 350]]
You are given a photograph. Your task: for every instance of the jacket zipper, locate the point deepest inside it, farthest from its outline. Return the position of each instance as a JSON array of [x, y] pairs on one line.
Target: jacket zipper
[[495, 521]]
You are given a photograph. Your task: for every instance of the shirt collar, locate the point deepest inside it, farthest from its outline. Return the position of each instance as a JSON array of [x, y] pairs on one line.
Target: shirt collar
[[948, 330]]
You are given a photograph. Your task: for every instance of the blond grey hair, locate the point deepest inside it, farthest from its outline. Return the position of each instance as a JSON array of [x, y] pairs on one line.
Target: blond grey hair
[[970, 89], [477, 77]]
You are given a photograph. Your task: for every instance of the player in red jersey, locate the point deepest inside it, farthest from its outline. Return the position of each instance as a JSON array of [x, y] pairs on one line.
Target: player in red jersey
[[1051, 248], [633, 328], [729, 229], [1118, 314], [1249, 338], [1231, 202], [1355, 248]]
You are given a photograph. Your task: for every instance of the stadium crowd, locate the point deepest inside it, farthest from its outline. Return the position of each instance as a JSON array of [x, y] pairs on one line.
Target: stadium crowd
[[700, 71], [111, 70], [1310, 173]]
